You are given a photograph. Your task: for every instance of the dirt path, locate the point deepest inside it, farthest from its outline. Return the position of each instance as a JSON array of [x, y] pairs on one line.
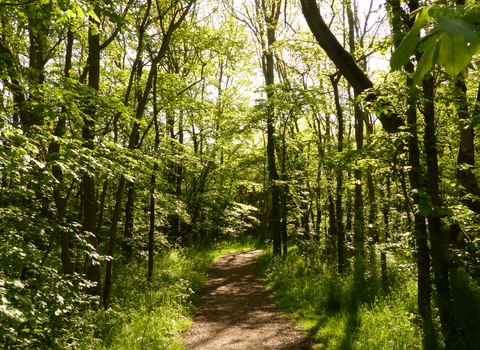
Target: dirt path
[[236, 313]]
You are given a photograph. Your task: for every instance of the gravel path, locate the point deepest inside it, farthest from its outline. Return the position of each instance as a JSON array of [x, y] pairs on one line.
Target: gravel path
[[236, 313]]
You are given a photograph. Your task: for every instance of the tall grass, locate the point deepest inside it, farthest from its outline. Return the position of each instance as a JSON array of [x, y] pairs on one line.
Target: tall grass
[[151, 314], [340, 313]]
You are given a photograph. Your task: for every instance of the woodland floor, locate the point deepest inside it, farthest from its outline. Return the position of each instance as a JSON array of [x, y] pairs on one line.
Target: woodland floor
[[236, 312]]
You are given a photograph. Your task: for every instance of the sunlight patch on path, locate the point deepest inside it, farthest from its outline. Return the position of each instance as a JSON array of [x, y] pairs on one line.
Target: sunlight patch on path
[[236, 313]]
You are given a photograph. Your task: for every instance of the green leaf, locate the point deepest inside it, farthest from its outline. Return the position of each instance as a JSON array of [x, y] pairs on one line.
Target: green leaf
[[426, 62], [454, 54], [80, 11], [70, 14], [406, 49], [409, 43], [24, 299], [456, 27], [94, 16], [18, 284]]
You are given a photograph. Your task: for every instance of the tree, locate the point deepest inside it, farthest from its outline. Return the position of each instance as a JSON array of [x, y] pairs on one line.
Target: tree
[[263, 20], [179, 13], [344, 61]]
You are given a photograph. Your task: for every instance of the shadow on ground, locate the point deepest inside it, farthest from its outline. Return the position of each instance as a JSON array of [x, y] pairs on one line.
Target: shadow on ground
[[236, 313]]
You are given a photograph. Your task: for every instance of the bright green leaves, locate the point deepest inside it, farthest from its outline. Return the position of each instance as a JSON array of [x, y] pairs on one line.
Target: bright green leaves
[[451, 40], [70, 14], [456, 27], [409, 43], [429, 49], [453, 54]]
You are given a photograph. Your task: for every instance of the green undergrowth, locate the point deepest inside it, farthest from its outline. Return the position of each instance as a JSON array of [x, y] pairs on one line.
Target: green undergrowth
[[338, 311], [151, 314]]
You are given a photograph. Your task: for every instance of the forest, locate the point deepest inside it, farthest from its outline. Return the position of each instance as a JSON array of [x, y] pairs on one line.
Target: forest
[[142, 139]]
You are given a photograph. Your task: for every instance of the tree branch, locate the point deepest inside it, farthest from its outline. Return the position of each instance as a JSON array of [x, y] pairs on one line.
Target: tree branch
[[345, 63]]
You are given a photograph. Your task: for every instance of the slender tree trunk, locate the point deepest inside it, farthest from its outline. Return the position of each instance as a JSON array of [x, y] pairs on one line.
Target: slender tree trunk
[[111, 242], [359, 221], [89, 197], [174, 172], [372, 205], [332, 239], [400, 24], [268, 71], [438, 246], [339, 179], [383, 237], [127, 244], [417, 184], [53, 153], [466, 149], [151, 231], [358, 224], [284, 197], [318, 188], [178, 185]]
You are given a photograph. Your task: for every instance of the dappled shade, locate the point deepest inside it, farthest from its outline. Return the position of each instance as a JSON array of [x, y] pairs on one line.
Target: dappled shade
[[236, 312]]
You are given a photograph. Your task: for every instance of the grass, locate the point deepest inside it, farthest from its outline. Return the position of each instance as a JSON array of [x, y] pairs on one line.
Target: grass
[[151, 314], [342, 312], [338, 311]]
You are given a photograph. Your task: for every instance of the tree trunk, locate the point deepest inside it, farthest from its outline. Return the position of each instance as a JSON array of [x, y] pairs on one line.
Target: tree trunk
[[400, 24], [383, 237], [332, 239], [339, 179], [53, 154], [127, 244], [358, 224], [417, 184], [151, 231], [437, 244], [283, 201], [89, 197], [466, 149], [111, 242], [268, 72]]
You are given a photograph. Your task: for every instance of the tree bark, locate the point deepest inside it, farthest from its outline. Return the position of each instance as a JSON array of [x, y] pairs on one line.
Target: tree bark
[[339, 178], [466, 149], [53, 154], [359, 220], [89, 197], [151, 231], [271, 20], [401, 23], [418, 186], [153, 180], [111, 242], [437, 244], [127, 244]]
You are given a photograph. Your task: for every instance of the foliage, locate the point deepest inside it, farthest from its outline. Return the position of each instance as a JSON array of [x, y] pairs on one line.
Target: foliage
[[150, 314], [451, 42], [153, 140], [324, 302]]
